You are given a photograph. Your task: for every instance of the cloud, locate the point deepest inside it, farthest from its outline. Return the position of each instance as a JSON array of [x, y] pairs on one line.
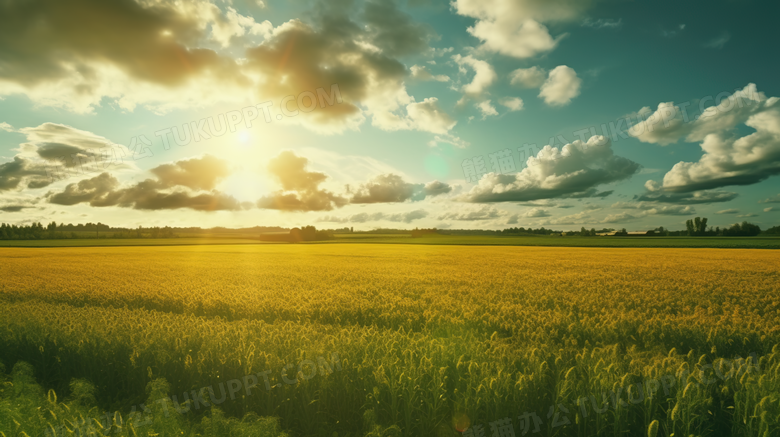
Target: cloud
[[513, 27], [669, 123], [770, 209], [727, 159], [54, 151], [363, 217], [391, 188], [728, 211], [528, 77], [572, 219], [178, 186], [487, 109], [719, 41], [473, 214], [74, 54], [536, 213], [561, 86], [166, 55], [394, 31], [197, 173], [421, 73], [653, 208], [512, 103], [573, 171], [484, 75], [435, 188], [619, 218], [300, 187], [747, 215], [603, 23], [429, 117], [773, 199], [693, 198]]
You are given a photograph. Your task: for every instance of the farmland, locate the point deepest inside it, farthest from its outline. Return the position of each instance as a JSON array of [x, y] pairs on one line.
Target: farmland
[[421, 340]]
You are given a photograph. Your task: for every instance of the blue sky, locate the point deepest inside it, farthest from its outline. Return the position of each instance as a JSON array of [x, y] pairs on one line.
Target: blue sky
[[422, 89]]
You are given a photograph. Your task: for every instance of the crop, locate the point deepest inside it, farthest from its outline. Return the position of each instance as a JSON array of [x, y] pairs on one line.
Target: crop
[[431, 339]]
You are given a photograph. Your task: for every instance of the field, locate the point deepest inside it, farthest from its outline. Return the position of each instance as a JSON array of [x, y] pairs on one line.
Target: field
[[390, 339], [761, 242]]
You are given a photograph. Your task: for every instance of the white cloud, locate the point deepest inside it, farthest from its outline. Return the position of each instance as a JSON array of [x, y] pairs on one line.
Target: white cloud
[[513, 27], [484, 75], [421, 72], [474, 214], [727, 159], [561, 86], [728, 211], [669, 123], [511, 38], [528, 77], [573, 171], [512, 103], [487, 109], [770, 209], [429, 117]]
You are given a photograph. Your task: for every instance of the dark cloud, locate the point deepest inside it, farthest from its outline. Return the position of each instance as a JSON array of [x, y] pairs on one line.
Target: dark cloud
[[391, 188], [393, 30], [44, 40], [21, 173], [198, 173], [176, 187]]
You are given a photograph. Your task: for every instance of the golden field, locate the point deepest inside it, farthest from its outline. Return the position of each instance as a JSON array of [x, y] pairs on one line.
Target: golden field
[[430, 338]]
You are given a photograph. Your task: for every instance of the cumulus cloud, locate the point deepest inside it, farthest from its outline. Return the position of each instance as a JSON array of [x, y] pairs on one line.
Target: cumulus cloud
[[391, 188], [484, 74], [300, 187], [421, 72], [532, 77], [728, 159], [74, 54], [536, 213], [561, 86], [429, 117], [487, 109], [166, 54], [573, 171], [728, 211], [512, 103], [513, 27], [183, 184], [55, 151]]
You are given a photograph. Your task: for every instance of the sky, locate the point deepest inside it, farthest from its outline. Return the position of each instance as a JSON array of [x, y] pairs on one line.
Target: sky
[[468, 114]]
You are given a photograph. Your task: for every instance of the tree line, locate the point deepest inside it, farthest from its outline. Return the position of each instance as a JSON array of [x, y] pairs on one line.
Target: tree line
[[54, 231]]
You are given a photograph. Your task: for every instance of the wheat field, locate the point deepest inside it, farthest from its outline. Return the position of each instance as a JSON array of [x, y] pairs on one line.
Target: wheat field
[[428, 340]]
